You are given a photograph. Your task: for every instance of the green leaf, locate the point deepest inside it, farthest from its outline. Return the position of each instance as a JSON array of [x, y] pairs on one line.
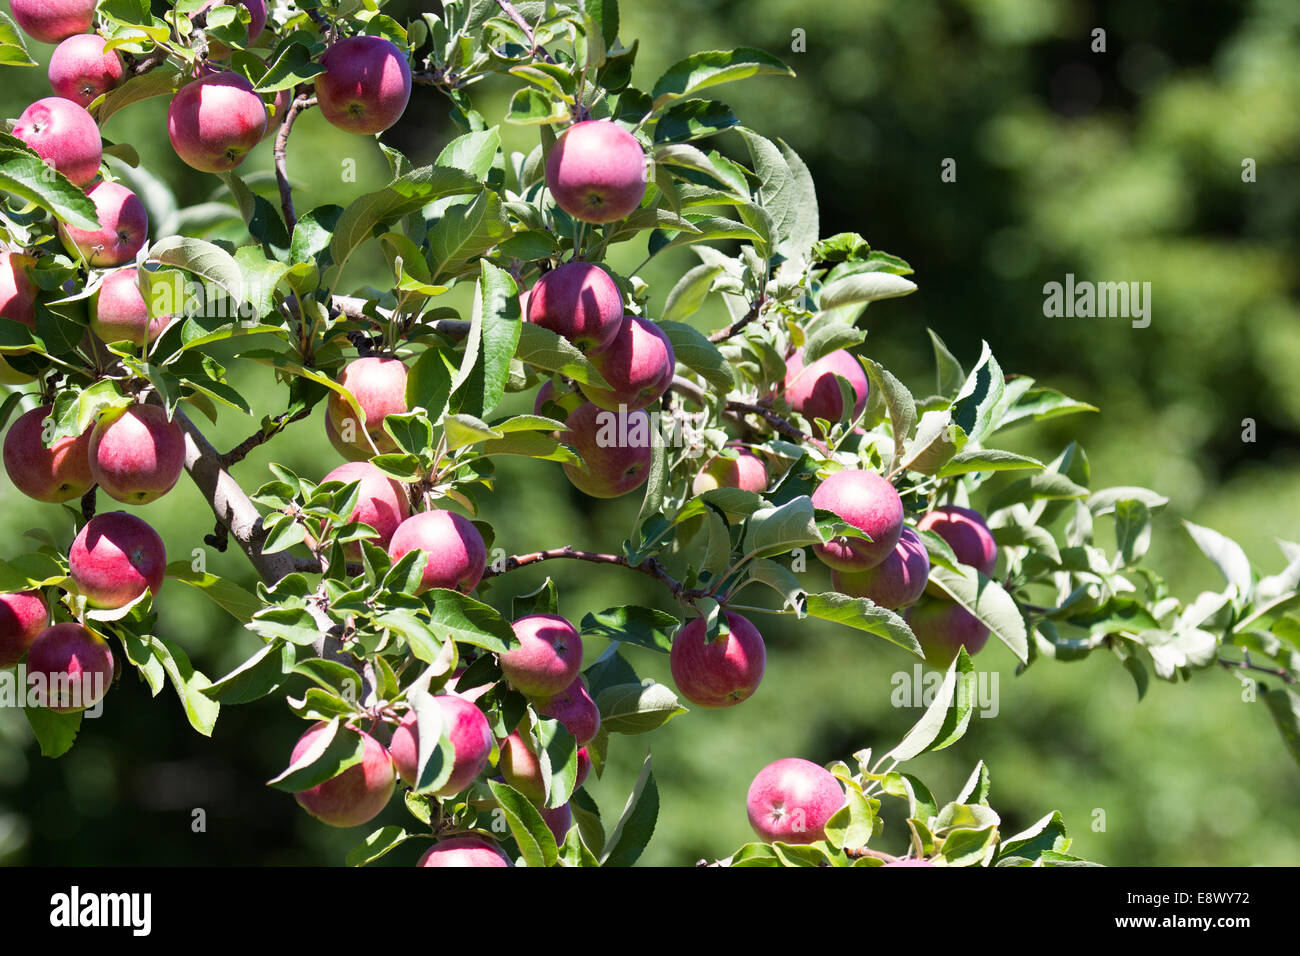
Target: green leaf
[[13, 48], [542, 348], [712, 67], [643, 626], [531, 107], [494, 335], [1226, 555], [988, 601], [461, 618], [22, 174], [986, 459], [240, 603], [56, 733], [636, 826], [256, 677], [693, 349], [158, 82], [693, 119], [1284, 707], [378, 844], [190, 684], [535, 840], [864, 615], [466, 231], [637, 708], [862, 288], [775, 530], [689, 293], [945, 720], [333, 750]]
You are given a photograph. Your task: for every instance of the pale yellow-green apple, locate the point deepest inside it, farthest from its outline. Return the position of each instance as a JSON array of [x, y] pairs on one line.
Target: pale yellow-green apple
[[120, 313], [366, 84], [382, 503], [521, 768], [137, 456], [966, 533], [50, 21], [615, 447], [81, 69], [548, 657], [574, 708], [18, 304], [455, 555], [64, 135], [637, 363], [896, 581], [558, 820], [379, 386], [23, 616], [58, 473], [597, 171], [869, 503], [123, 227], [942, 627], [580, 302], [73, 668], [743, 470], [720, 673], [791, 801], [115, 558], [814, 391], [471, 743], [464, 851], [355, 796], [214, 121]]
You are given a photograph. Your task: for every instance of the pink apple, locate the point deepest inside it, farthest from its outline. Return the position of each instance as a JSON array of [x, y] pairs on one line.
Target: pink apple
[[869, 503], [55, 474], [521, 769], [75, 668], [23, 617], [64, 135], [17, 290], [722, 673], [638, 364], [745, 471], [559, 820], [81, 70], [791, 801], [123, 226], [616, 449], [471, 742], [214, 121], [366, 84], [138, 456], [911, 861], [355, 796], [580, 302], [597, 171], [379, 386], [584, 766], [464, 851], [548, 657], [893, 583], [50, 21], [574, 708], [966, 533], [942, 627], [115, 558], [382, 503], [814, 392], [120, 312], [455, 556]]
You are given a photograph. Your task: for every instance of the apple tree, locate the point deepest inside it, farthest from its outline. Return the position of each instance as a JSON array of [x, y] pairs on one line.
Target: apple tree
[[780, 469]]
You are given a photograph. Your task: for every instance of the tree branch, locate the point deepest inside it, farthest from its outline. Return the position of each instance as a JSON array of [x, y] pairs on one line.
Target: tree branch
[[300, 102], [1280, 673], [650, 566], [778, 424], [262, 436], [151, 62], [723, 334], [509, 10], [353, 307]]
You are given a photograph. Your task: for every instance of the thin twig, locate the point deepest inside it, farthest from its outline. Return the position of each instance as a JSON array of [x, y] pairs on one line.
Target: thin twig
[[272, 428], [650, 566], [151, 62], [88, 503], [301, 102], [509, 9], [1280, 673], [723, 334], [778, 424]]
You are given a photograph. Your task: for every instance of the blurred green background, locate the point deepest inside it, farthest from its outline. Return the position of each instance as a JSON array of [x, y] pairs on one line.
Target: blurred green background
[[1117, 166]]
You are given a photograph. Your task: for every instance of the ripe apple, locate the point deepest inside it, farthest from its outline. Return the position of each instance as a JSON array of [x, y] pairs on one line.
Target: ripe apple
[[597, 171], [548, 657], [80, 69], [18, 304], [911, 861], [521, 768], [814, 392], [966, 533], [580, 302], [76, 668], [559, 820], [455, 556], [355, 796], [868, 502], [464, 851], [64, 135], [584, 766], [138, 456], [791, 800], [471, 742], [114, 558], [55, 474], [893, 583], [382, 503], [745, 471], [120, 312], [23, 617], [50, 21], [574, 708], [616, 449], [722, 673], [366, 84], [214, 121], [123, 226], [942, 627], [379, 386], [256, 9], [638, 364]]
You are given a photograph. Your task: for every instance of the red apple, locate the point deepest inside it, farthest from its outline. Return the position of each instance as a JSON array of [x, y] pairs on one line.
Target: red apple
[[455, 556], [814, 391], [893, 583], [18, 304], [64, 135], [616, 449], [911, 861], [597, 171], [214, 121], [791, 800], [81, 70], [50, 21], [722, 673], [138, 456], [120, 313], [638, 364], [55, 474], [558, 820], [464, 851], [379, 386], [471, 742], [75, 668], [580, 302], [966, 533], [23, 616], [942, 627], [868, 502], [584, 766], [745, 471], [574, 708], [548, 657], [366, 84], [114, 558], [521, 769], [355, 796], [382, 503], [123, 226]]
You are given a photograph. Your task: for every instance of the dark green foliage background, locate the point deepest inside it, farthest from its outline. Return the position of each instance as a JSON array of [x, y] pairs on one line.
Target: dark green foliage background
[[1122, 166]]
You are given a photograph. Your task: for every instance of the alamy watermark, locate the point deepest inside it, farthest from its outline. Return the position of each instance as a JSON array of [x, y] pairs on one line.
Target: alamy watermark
[[1085, 300]]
